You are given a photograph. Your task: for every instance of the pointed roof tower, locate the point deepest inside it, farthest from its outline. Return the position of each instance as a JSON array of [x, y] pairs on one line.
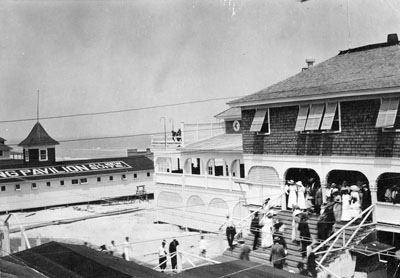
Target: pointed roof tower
[[38, 137]]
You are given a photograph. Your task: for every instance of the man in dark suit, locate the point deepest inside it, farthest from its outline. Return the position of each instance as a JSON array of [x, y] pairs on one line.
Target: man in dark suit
[[173, 254], [255, 229], [278, 255]]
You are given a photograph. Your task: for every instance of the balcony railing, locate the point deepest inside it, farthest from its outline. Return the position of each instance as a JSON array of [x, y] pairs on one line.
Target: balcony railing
[[190, 133], [212, 182]]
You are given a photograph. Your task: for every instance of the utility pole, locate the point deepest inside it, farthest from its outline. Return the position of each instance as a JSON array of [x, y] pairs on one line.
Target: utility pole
[[165, 131]]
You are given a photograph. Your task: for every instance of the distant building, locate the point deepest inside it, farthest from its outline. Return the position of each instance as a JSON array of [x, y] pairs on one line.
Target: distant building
[[5, 151], [40, 181]]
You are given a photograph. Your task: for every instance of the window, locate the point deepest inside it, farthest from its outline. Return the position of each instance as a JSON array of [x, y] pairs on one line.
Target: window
[[26, 155], [34, 186], [84, 181], [98, 179], [123, 177], [148, 174], [48, 184], [323, 117], [111, 178], [17, 187], [42, 155], [3, 188], [74, 181], [315, 116], [61, 182], [387, 113], [135, 176], [260, 122], [1, 153]]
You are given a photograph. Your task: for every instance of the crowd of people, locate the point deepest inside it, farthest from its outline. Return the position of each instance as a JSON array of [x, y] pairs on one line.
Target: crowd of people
[[306, 196], [392, 194]]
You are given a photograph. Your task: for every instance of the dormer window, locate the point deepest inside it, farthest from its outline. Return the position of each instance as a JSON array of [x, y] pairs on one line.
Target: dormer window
[[43, 155]]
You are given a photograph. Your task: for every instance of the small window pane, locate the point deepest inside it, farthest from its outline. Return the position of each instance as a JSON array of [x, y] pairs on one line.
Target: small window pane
[[34, 186], [3, 188], [17, 187], [148, 174], [111, 178], [48, 184], [135, 176], [98, 179], [61, 182], [74, 181], [84, 181]]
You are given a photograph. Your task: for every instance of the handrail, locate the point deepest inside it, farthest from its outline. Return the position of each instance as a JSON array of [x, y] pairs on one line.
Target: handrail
[[358, 228], [337, 234], [254, 212], [343, 228]]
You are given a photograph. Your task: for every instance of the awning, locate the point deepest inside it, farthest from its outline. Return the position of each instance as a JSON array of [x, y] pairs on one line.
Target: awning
[[371, 248]]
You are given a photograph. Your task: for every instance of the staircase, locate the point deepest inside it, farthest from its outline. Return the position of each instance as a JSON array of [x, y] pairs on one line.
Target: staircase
[[294, 251]]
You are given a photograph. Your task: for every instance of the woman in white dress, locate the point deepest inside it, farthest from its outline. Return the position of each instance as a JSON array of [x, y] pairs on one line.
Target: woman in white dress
[[295, 223], [301, 200], [346, 209], [267, 224], [291, 190], [355, 204]]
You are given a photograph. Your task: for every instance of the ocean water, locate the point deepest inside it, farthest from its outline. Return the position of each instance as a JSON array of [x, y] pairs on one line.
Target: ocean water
[[112, 147]]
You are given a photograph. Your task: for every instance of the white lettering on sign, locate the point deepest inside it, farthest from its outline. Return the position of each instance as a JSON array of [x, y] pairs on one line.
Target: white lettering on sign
[[89, 167]]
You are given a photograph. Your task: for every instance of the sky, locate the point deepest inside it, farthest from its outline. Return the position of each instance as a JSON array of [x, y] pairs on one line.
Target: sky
[[95, 56]]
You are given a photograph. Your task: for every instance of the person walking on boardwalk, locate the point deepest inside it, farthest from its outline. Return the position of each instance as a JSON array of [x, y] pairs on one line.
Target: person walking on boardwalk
[[277, 255], [127, 249], [162, 256], [255, 229], [267, 224], [172, 252], [230, 230]]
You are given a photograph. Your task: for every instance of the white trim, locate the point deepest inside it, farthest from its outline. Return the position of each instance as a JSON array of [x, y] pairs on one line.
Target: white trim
[[346, 96], [40, 155]]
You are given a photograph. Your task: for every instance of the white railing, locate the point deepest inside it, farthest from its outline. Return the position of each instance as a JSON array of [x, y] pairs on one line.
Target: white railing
[[190, 133], [341, 233]]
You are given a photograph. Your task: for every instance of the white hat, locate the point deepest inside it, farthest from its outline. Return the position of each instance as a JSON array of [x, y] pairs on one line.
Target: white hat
[[299, 183]]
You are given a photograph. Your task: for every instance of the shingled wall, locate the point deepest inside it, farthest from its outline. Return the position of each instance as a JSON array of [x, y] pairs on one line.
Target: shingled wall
[[358, 136]]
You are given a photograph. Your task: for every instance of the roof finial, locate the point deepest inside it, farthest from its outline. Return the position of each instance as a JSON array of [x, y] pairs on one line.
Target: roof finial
[[37, 106]]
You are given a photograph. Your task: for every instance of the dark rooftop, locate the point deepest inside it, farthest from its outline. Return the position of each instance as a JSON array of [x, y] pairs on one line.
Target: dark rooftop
[[38, 137], [369, 67], [57, 260]]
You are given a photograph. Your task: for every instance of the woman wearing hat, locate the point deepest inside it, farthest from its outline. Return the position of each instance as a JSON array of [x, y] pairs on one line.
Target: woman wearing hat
[[291, 190], [301, 200], [267, 224]]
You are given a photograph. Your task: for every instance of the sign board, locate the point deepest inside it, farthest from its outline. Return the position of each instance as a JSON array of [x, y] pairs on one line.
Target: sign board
[[65, 169]]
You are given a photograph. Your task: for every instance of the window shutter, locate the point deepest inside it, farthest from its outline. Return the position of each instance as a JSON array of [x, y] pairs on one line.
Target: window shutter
[[258, 120], [329, 115], [380, 121], [315, 116], [391, 113], [301, 118]]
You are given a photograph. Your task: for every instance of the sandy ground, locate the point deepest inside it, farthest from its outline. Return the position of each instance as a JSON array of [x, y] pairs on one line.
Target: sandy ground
[[144, 235]]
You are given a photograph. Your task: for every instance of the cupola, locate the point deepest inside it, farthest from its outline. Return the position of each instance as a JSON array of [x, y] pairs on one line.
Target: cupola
[[39, 147]]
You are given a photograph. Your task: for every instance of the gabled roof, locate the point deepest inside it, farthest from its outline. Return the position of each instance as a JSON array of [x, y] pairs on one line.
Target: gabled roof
[[230, 114], [57, 260], [223, 142], [356, 70], [38, 137]]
